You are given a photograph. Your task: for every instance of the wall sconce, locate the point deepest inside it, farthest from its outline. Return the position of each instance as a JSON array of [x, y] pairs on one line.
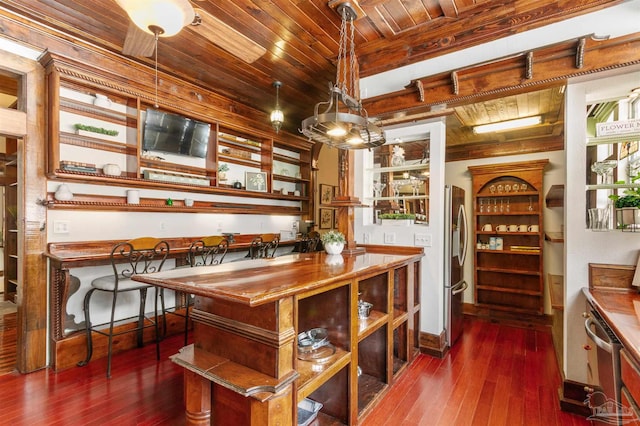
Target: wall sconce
[[277, 117]]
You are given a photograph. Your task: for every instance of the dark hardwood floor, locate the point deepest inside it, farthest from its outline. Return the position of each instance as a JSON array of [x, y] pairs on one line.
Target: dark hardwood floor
[[496, 375]]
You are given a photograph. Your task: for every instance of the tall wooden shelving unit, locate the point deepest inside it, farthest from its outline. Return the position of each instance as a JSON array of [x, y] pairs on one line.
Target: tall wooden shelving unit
[[512, 279], [10, 228]]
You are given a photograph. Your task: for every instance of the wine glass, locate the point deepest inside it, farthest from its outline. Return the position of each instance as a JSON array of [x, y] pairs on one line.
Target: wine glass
[[415, 185], [603, 169], [378, 187]]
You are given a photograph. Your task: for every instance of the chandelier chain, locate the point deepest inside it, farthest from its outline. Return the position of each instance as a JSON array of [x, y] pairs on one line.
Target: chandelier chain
[[352, 54]]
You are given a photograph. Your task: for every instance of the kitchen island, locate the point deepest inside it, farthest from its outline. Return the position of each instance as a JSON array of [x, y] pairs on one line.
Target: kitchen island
[[244, 366]]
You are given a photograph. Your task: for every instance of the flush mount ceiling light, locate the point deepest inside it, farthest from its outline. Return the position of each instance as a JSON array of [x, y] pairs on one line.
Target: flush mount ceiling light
[[342, 122], [508, 125], [277, 116]]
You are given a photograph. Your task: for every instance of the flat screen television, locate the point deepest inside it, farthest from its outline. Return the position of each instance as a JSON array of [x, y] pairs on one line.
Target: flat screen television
[[174, 134]]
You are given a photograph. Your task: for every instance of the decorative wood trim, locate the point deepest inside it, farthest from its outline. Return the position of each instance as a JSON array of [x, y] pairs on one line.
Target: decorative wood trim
[[489, 80], [529, 65], [499, 149]]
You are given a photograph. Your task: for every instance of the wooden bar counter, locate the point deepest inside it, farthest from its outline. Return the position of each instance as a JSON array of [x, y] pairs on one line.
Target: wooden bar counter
[[244, 368]]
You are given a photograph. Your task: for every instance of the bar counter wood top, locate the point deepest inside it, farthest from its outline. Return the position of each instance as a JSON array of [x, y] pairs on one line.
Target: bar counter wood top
[[620, 308], [258, 281]]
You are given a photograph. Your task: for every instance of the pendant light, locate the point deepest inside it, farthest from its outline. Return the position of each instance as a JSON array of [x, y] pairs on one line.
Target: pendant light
[[277, 116]]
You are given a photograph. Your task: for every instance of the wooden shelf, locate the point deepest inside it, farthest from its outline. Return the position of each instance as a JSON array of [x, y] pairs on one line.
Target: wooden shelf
[[556, 291], [554, 237], [313, 374], [555, 196]]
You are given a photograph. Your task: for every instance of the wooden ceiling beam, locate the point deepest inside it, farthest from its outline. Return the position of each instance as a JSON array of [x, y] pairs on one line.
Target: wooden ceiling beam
[[551, 65]]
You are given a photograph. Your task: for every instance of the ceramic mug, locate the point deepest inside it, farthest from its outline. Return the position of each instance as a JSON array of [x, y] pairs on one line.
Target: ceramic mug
[[513, 228], [523, 228], [501, 228], [534, 228], [133, 196], [486, 227], [188, 202]]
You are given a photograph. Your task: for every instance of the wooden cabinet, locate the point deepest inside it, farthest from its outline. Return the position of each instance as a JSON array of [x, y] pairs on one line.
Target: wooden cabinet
[[95, 123], [507, 207]]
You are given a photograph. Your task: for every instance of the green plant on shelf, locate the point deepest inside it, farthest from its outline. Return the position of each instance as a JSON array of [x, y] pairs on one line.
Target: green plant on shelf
[[630, 196], [397, 216], [94, 129], [223, 167]]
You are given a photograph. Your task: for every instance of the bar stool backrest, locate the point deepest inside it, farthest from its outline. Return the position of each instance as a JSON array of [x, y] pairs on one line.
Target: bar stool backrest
[[208, 251], [138, 256], [264, 246]]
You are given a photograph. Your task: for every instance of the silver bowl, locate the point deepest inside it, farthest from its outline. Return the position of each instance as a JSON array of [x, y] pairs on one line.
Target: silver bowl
[[312, 339]]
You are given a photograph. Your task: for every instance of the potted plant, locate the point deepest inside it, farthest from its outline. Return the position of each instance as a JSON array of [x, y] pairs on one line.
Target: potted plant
[[223, 168], [627, 206], [333, 242], [83, 129], [397, 218]]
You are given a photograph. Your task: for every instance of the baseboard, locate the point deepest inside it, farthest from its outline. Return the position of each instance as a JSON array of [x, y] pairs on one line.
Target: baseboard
[[66, 353], [508, 318], [572, 396], [433, 344]]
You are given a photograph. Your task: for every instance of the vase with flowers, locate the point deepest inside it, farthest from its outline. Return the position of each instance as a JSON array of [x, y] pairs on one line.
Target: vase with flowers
[[333, 242]]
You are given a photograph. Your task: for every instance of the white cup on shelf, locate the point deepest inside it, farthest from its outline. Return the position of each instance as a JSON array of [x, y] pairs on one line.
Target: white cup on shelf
[[188, 202], [533, 228], [487, 227], [133, 196], [501, 228]]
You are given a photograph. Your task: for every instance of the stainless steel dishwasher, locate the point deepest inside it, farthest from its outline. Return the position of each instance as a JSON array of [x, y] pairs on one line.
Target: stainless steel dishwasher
[[608, 365]]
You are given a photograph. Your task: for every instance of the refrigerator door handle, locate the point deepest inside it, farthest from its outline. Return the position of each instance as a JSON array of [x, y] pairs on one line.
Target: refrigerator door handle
[[462, 220], [459, 288]]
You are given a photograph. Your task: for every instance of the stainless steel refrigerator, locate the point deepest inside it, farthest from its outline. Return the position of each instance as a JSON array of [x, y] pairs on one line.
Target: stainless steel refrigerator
[[456, 237]]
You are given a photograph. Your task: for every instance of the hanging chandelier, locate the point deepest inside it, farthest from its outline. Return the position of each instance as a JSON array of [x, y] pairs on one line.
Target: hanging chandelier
[[342, 121]]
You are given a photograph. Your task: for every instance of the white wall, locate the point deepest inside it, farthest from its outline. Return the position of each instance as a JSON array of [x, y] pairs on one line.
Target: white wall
[[432, 272]]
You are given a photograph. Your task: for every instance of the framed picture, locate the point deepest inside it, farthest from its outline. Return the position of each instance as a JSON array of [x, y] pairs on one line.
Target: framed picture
[[624, 150], [326, 218], [326, 193], [335, 219], [256, 181]]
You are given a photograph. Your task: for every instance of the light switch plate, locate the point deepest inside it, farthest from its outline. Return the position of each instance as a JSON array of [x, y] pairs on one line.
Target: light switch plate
[[422, 240], [60, 226], [389, 237]]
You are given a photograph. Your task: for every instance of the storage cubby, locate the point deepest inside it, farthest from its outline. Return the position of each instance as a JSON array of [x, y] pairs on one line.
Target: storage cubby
[[372, 360], [334, 394], [400, 353]]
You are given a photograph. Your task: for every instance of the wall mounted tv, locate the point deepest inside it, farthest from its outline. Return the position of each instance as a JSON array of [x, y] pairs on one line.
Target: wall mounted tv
[[174, 134]]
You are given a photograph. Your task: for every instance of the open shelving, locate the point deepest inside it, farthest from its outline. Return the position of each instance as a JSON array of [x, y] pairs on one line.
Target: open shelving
[[509, 279]]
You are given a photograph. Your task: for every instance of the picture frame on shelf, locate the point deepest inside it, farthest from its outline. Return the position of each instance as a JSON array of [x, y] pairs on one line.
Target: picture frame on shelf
[[326, 193], [326, 218], [256, 181]]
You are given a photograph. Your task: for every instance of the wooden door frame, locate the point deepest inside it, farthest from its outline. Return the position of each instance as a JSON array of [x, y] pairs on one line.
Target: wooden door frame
[[27, 123]]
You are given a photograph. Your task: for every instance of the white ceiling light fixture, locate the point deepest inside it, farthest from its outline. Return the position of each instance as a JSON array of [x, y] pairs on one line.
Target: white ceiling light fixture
[[508, 125], [342, 122], [162, 18]]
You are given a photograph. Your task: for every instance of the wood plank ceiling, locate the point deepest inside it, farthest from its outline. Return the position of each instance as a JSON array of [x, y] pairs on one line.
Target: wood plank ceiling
[[299, 41]]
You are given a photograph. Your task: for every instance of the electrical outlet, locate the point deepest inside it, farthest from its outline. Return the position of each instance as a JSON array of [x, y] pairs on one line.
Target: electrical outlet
[[163, 226], [60, 226], [367, 238], [389, 237], [422, 240]]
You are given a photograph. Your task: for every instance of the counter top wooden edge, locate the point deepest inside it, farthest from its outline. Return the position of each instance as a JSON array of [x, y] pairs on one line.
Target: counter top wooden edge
[[620, 308], [259, 281]]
